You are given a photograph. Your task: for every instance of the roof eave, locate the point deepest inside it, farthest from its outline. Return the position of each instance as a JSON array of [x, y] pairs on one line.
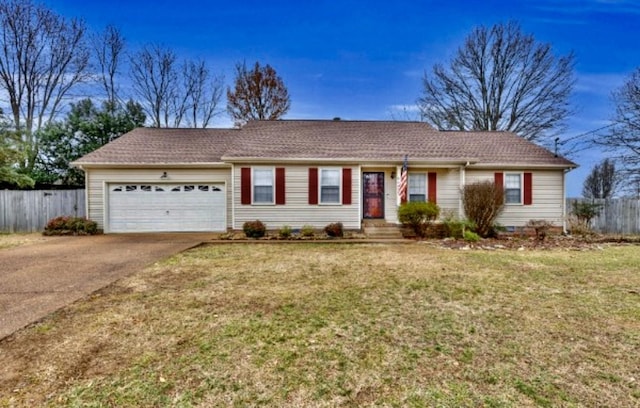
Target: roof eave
[[524, 165], [82, 165], [359, 160]]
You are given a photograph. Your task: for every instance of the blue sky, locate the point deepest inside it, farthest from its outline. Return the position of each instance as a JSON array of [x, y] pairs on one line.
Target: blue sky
[[366, 59]]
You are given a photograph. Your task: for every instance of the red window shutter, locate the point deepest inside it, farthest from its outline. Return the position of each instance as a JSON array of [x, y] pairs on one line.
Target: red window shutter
[[433, 187], [346, 186], [280, 186], [528, 189], [499, 179], [313, 185], [245, 185]]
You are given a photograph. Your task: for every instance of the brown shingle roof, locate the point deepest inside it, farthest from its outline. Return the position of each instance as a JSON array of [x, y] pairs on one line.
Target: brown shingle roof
[[383, 141], [283, 140], [164, 146]]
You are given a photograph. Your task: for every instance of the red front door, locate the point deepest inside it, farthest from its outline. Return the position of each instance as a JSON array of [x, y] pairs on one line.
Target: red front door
[[373, 191]]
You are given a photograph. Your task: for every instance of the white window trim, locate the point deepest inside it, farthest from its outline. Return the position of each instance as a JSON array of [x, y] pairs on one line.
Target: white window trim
[[426, 185], [339, 170], [521, 175], [273, 186]]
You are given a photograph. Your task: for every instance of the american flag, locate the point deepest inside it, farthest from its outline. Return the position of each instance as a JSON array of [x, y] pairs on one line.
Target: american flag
[[402, 186]]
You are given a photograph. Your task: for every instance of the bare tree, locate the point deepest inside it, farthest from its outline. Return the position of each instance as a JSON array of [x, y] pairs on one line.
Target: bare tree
[[624, 138], [42, 56], [173, 96], [258, 93], [109, 49], [202, 91], [154, 76], [500, 79], [602, 181]]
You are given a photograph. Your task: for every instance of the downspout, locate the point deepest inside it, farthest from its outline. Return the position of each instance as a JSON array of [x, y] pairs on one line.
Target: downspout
[[86, 192], [233, 198], [463, 180], [564, 201]]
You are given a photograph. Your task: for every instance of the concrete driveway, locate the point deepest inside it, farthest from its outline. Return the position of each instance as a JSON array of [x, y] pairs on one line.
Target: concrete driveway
[[37, 279]]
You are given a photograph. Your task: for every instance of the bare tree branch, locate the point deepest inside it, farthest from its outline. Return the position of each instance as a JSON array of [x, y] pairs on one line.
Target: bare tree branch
[[623, 140], [109, 48], [602, 182], [42, 56], [500, 79], [153, 71], [203, 93]]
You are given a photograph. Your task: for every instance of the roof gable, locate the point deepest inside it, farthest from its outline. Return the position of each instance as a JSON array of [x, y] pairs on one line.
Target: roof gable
[[163, 146]]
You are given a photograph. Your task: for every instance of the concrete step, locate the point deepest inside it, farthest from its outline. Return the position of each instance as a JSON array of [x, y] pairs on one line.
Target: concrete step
[[381, 230]]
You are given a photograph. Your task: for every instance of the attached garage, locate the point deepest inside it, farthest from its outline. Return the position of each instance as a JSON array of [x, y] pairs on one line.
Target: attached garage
[[166, 207]]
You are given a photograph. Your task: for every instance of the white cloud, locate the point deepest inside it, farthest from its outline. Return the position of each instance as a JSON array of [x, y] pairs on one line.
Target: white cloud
[[600, 83]]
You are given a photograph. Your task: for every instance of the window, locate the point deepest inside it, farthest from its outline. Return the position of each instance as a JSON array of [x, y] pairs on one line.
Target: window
[[512, 189], [418, 187], [263, 186], [330, 186]]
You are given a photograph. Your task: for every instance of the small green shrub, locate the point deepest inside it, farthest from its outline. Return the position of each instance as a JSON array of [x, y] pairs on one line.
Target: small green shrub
[[254, 229], [585, 211], [418, 216], [471, 236], [307, 231], [455, 228], [285, 232], [334, 230], [66, 225]]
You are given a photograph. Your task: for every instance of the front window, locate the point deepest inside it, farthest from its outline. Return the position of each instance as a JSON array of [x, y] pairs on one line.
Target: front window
[[263, 186], [330, 186], [418, 187], [512, 189]]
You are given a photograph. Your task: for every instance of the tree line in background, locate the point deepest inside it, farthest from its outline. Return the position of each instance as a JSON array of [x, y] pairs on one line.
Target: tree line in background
[[66, 96], [68, 93]]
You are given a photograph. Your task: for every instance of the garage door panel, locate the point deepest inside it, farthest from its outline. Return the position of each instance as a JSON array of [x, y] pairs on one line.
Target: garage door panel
[[166, 207]]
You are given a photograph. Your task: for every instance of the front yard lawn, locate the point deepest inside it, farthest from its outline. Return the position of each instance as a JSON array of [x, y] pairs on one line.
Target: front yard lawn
[[12, 240], [312, 325]]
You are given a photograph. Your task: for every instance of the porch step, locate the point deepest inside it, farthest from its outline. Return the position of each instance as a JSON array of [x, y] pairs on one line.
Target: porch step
[[381, 230]]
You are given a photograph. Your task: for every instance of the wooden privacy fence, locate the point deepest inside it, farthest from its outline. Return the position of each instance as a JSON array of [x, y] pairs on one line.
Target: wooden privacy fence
[[29, 211], [617, 215]]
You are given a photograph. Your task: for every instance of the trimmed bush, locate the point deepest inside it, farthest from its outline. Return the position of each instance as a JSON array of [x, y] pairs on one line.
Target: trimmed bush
[[455, 228], [334, 230], [254, 229], [307, 231], [418, 216], [483, 202], [70, 226], [285, 232], [471, 236]]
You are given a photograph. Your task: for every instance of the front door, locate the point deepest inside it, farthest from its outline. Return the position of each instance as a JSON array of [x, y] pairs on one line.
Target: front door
[[373, 191]]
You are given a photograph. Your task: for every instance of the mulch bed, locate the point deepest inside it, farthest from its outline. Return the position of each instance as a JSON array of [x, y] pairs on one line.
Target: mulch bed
[[521, 243]]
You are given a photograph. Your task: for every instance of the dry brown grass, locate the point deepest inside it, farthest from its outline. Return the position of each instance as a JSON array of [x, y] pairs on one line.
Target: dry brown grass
[[12, 240], [344, 325]]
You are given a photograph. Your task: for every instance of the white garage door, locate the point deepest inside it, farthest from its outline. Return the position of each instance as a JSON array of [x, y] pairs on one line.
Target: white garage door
[[166, 207]]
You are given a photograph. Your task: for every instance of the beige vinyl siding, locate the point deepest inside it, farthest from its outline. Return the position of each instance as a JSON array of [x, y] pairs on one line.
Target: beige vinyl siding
[[447, 190], [297, 212], [547, 193], [98, 179]]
